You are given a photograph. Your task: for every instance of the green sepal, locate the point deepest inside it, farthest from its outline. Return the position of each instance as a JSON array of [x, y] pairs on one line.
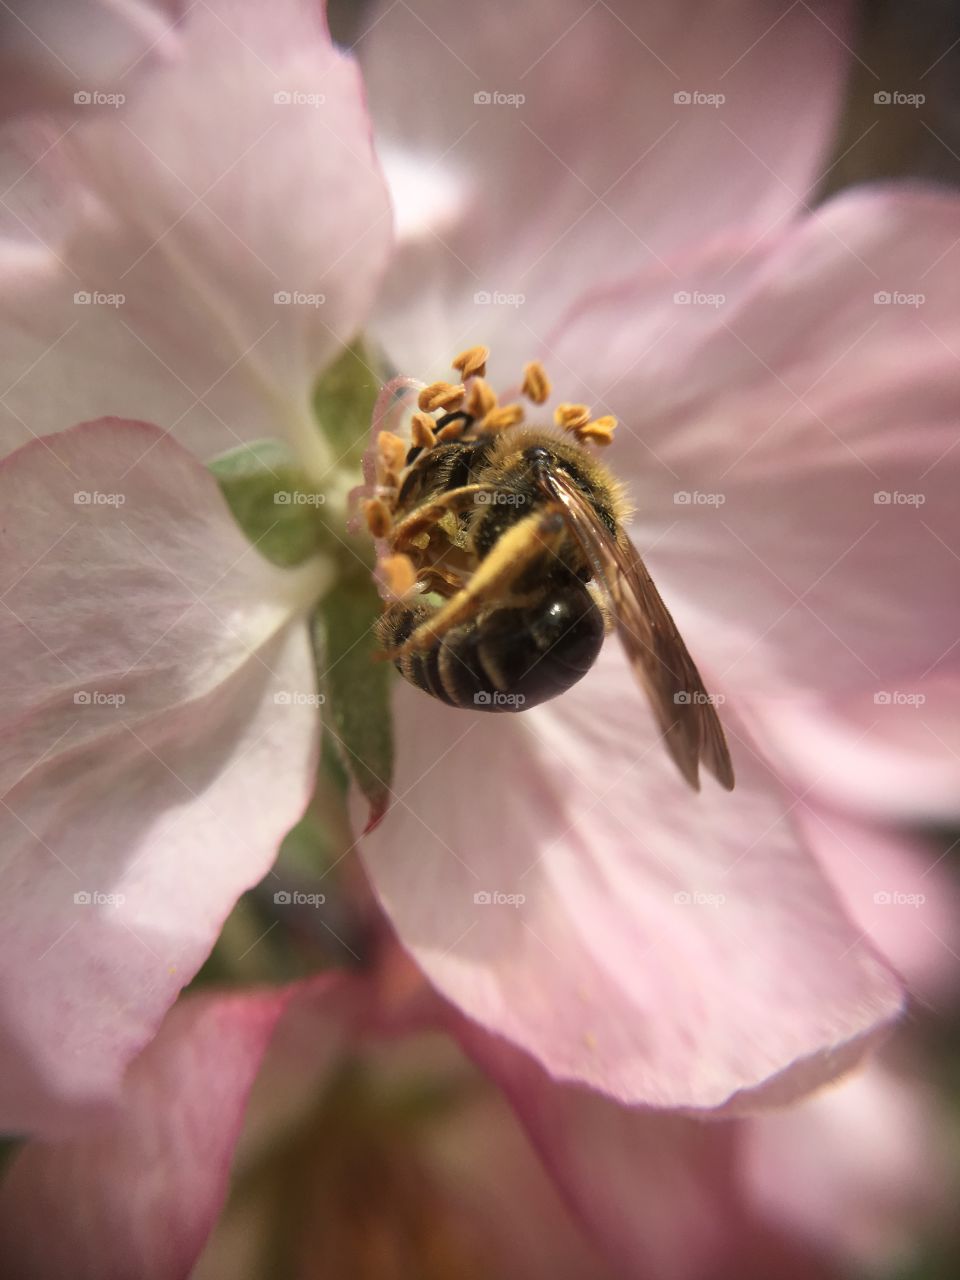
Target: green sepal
[[273, 501], [356, 682]]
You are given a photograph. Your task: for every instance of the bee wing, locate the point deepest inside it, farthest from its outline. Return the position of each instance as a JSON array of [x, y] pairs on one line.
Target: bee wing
[[660, 660]]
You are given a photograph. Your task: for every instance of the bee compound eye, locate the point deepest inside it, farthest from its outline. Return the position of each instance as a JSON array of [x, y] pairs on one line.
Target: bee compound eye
[[536, 453]]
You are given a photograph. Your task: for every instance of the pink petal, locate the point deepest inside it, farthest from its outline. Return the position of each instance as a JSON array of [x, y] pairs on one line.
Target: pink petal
[[650, 1188], [757, 459], [139, 1196], [861, 1169], [175, 797], [50, 51], [197, 201], [531, 203], [901, 891], [889, 754], [670, 949]]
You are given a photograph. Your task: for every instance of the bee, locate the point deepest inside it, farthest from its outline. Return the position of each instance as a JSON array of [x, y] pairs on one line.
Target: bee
[[509, 565]]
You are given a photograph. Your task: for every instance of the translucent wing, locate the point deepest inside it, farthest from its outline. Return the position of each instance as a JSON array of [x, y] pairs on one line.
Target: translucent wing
[[683, 709]]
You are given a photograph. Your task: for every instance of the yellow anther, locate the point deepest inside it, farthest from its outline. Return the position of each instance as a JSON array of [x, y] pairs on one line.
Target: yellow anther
[[571, 416], [440, 395], [507, 415], [452, 431], [472, 362], [398, 574], [378, 518], [391, 451], [481, 400], [421, 431], [536, 384], [600, 430]]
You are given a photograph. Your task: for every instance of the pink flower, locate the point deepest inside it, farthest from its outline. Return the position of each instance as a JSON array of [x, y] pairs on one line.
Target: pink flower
[[669, 950]]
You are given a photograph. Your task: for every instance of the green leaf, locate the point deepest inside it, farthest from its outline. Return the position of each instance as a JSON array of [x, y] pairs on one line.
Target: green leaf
[[273, 501], [357, 685], [343, 402]]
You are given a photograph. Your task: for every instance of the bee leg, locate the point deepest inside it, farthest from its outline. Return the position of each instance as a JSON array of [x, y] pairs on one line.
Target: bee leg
[[427, 515], [540, 534]]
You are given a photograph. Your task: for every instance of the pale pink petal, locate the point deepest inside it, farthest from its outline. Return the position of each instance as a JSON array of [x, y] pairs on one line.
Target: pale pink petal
[[507, 208], [239, 170], [144, 751], [670, 948], [138, 1196], [652, 1189], [795, 473], [860, 1169], [901, 890], [50, 52], [889, 754]]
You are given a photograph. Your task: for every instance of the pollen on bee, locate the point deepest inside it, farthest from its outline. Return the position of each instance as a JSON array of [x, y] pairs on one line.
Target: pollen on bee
[[472, 362], [536, 384], [398, 574], [440, 395]]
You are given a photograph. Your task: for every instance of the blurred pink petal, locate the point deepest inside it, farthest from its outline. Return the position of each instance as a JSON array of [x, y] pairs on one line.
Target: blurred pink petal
[[901, 890], [145, 753], [240, 169], [505, 198], [668, 949], [859, 1169], [774, 476], [138, 1196], [51, 51], [889, 754]]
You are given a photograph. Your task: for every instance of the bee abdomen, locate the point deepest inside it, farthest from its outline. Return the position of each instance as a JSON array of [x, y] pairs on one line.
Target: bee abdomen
[[509, 659]]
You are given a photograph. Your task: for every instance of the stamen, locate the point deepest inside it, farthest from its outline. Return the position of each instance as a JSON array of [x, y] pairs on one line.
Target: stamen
[[378, 518], [600, 430], [391, 451], [481, 399], [472, 362], [536, 384], [440, 395], [572, 417], [508, 415], [421, 431], [398, 574], [452, 431]]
